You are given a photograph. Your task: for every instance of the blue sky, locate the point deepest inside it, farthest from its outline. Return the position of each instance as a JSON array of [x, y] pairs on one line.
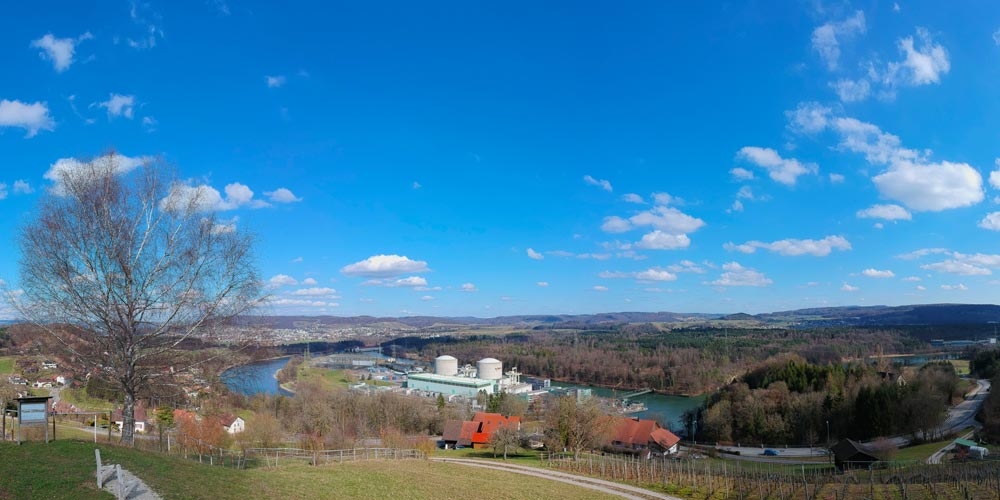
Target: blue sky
[[485, 159]]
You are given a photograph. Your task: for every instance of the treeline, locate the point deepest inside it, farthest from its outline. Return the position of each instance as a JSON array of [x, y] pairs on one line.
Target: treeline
[[680, 361], [788, 400]]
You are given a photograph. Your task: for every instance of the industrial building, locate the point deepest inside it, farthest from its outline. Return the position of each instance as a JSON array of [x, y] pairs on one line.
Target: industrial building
[[449, 379]]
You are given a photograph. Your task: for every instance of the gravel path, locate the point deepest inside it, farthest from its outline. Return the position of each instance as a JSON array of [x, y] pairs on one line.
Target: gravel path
[[609, 487]]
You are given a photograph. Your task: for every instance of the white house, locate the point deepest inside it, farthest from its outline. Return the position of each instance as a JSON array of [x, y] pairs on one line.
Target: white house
[[232, 423]]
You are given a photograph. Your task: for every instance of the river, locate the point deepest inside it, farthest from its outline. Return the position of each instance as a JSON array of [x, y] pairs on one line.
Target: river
[[255, 378]]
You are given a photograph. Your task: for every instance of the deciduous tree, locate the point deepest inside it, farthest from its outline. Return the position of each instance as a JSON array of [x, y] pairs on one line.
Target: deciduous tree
[[136, 262]]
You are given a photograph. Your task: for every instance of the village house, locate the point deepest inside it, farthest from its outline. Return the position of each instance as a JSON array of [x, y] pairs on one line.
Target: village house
[[636, 435], [478, 432], [140, 418], [850, 454], [232, 423]]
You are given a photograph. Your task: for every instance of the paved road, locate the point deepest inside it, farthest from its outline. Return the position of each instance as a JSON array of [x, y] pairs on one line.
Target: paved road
[[609, 487]]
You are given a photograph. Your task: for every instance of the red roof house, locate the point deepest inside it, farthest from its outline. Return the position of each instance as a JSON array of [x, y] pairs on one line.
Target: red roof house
[[478, 432], [633, 434]]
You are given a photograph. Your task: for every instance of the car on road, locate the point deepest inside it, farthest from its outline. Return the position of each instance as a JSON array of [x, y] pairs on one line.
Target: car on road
[[770, 452]]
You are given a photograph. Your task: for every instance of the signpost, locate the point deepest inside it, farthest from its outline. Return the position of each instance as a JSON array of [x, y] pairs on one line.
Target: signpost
[[33, 411]]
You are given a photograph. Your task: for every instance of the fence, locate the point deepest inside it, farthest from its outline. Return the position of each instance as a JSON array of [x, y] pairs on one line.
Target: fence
[[768, 481]]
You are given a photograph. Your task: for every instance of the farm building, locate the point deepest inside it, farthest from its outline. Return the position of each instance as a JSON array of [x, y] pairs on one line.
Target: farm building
[[850, 454], [478, 432], [635, 435]]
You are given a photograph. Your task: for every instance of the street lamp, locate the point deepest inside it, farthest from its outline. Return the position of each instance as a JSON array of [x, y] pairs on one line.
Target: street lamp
[[827, 433]]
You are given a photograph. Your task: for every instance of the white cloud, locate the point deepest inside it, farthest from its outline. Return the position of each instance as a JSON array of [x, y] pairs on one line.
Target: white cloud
[[922, 66], [826, 38], [542, 284], [836, 178], [309, 282], [667, 219], [274, 82], [912, 279], [3, 191], [852, 90], [785, 171], [409, 281], [737, 206], [22, 187], [316, 292], [686, 266], [282, 195], [741, 174], [633, 198], [995, 175], [923, 252], [736, 275], [655, 274], [959, 287], [385, 266], [282, 280], [427, 298], [469, 287], [996, 37], [659, 240], [960, 267], [599, 288], [297, 260], [119, 105], [207, 198], [991, 221], [794, 247], [615, 224], [150, 123], [534, 255], [932, 186], [921, 288], [31, 117], [602, 183], [59, 50], [664, 198], [120, 164], [848, 288], [808, 118], [887, 212], [876, 273]]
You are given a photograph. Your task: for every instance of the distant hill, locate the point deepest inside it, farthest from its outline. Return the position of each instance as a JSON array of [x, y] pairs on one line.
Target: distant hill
[[921, 314]]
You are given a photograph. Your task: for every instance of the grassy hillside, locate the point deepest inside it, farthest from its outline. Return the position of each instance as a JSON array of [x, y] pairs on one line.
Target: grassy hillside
[[65, 469]]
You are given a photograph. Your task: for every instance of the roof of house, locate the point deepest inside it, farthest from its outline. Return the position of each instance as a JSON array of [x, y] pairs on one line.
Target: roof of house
[[848, 450], [228, 419], [489, 423], [633, 431], [460, 432], [664, 438], [965, 442]]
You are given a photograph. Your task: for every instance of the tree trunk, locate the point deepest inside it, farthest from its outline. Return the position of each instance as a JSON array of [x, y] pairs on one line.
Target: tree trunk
[[128, 419]]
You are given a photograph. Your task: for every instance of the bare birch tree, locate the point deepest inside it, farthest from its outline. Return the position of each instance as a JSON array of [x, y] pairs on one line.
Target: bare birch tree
[[135, 263]]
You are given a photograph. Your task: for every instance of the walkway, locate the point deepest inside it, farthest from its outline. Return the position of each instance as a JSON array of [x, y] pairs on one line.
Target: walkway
[[609, 487]]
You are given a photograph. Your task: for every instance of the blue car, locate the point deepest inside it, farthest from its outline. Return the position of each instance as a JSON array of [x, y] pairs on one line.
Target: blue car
[[770, 452]]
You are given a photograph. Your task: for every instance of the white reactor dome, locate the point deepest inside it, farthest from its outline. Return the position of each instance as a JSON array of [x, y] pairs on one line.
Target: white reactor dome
[[489, 369], [446, 365]]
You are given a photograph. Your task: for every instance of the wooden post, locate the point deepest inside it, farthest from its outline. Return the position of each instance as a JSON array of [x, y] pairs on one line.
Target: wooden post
[[97, 453]]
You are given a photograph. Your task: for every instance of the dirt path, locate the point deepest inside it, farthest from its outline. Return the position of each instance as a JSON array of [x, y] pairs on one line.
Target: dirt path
[[609, 487]]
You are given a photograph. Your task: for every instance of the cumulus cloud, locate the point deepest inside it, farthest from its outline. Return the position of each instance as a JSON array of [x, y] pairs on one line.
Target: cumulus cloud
[[119, 105], [59, 50], [808, 118], [385, 266], [415, 282], [887, 212], [995, 175], [659, 240], [667, 219], [282, 195], [836, 178], [601, 183], [782, 170], [959, 287], [991, 221], [651, 274], [615, 224], [741, 174], [274, 82], [542, 284], [852, 90], [207, 198], [469, 287], [848, 288], [63, 167], [826, 39], [686, 266], [22, 187], [957, 266], [31, 117], [931, 186], [876, 273], [736, 275], [316, 292], [532, 254], [282, 280], [633, 198], [794, 247], [924, 63], [309, 282], [599, 288]]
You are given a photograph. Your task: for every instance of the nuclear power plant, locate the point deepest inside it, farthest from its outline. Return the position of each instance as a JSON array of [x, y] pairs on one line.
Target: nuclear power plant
[[450, 379]]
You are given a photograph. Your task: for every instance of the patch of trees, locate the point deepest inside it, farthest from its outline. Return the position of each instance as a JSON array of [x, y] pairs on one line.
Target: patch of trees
[[985, 363], [989, 415], [789, 400]]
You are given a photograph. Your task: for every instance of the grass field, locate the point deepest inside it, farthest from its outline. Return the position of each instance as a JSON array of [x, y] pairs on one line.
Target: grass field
[[961, 366], [6, 365], [65, 469], [80, 399], [920, 452]]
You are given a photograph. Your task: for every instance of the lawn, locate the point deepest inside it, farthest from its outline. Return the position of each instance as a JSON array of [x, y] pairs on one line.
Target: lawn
[[961, 366], [80, 399], [64, 469], [920, 452], [6, 365], [521, 457]]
